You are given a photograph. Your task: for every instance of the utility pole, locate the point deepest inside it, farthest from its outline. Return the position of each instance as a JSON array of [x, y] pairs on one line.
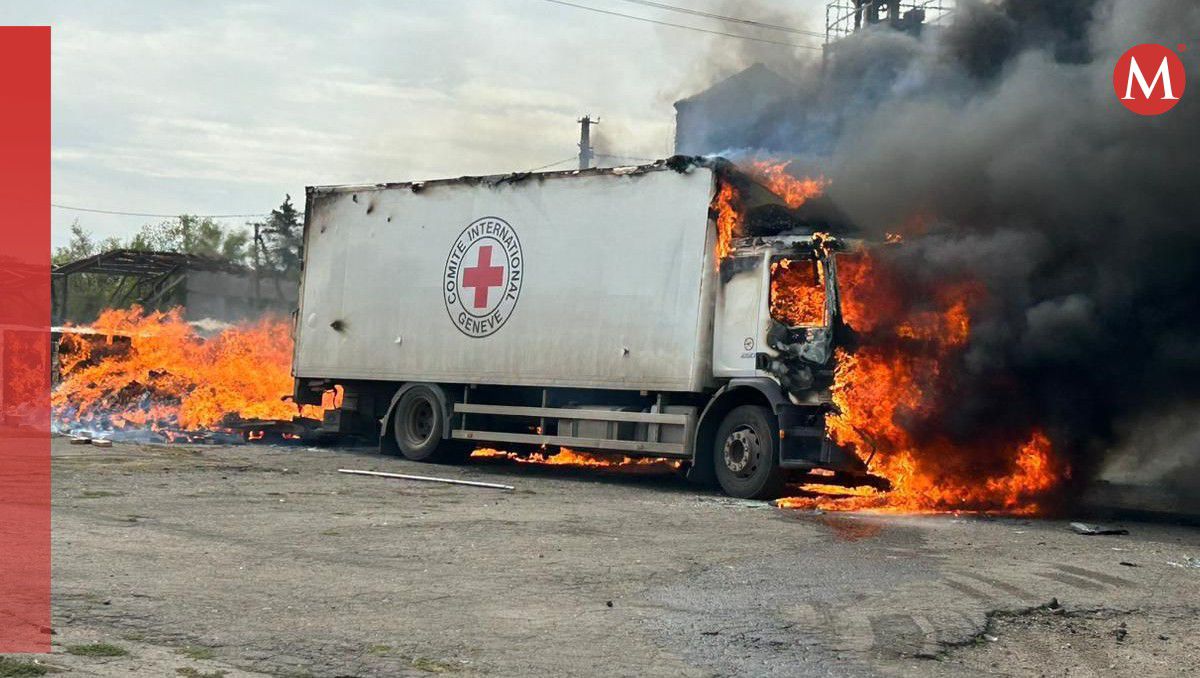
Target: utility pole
[[185, 226], [585, 140], [257, 266]]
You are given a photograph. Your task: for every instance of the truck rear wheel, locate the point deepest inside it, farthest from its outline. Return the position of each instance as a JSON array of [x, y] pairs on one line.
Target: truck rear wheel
[[745, 454], [417, 426]]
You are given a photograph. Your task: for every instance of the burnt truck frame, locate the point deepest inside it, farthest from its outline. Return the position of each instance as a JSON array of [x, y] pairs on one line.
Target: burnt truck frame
[[669, 353]]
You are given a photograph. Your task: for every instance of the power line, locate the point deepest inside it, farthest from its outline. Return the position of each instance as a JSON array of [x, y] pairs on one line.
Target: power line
[[689, 28], [722, 17], [148, 214], [573, 157]]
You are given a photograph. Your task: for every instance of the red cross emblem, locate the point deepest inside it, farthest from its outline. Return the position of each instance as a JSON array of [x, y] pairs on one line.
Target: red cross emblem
[[483, 276], [485, 258]]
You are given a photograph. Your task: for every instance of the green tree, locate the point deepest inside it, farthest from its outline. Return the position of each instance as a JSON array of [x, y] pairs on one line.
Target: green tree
[[190, 234], [80, 246], [282, 239]]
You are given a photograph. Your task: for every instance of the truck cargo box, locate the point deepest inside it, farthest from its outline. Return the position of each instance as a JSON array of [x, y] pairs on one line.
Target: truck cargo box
[[594, 278]]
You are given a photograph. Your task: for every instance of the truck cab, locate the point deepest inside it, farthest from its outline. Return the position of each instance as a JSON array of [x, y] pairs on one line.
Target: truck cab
[[776, 319]]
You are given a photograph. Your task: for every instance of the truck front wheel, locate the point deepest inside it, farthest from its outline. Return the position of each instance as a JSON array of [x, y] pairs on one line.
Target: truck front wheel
[[745, 454], [417, 426]]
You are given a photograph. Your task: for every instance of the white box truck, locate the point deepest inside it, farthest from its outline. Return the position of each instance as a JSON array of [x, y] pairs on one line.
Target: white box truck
[[586, 309]]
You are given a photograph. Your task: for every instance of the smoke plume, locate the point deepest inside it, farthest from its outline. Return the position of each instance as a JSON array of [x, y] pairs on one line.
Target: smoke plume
[[996, 145]]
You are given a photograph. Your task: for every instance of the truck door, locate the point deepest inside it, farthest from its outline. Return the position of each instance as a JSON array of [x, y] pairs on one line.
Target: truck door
[[740, 312]]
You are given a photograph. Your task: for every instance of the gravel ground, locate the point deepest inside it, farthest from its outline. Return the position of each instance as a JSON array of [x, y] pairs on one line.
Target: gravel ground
[[256, 560]]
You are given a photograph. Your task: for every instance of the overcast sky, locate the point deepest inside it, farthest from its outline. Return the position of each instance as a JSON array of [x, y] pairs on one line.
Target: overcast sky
[[222, 108]]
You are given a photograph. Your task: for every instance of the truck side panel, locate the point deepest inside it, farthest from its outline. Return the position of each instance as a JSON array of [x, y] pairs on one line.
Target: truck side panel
[[607, 290]]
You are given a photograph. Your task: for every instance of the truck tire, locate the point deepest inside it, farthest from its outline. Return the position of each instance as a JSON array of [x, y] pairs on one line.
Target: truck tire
[[417, 427], [745, 454]]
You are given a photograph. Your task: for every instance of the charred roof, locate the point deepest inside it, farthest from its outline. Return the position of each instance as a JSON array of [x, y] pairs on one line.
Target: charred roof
[[766, 212], [677, 163], [144, 264]]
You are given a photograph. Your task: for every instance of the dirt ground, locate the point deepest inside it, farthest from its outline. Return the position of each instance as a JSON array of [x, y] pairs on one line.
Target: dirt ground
[[234, 561]]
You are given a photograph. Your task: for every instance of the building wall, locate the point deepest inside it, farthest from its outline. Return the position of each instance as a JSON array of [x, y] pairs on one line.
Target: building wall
[[725, 117], [232, 296]]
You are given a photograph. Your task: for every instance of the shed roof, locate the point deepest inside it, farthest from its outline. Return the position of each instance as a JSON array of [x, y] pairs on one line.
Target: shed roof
[[144, 264]]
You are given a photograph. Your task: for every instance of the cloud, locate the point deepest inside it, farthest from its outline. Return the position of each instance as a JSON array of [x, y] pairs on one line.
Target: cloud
[[223, 107]]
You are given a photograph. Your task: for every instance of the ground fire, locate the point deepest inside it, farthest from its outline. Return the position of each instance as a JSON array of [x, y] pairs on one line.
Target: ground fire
[[169, 379], [568, 457]]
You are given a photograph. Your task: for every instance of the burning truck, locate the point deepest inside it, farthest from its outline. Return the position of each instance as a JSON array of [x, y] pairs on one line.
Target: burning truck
[[684, 309]]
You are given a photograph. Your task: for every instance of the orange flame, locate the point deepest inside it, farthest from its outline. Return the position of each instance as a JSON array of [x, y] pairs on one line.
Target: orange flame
[[727, 207], [567, 457], [728, 217], [900, 379], [798, 292], [171, 378], [795, 191]]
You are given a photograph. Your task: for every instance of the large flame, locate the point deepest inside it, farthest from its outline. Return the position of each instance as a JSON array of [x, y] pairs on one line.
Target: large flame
[[892, 393], [170, 378]]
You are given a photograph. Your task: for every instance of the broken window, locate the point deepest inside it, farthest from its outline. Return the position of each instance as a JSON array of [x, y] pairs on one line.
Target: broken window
[[798, 292]]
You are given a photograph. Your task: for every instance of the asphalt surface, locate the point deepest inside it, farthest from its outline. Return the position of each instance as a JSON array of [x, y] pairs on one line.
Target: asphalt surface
[[210, 561]]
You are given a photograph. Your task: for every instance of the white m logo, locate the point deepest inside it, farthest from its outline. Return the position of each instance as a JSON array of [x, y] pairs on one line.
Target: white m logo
[[1164, 74]]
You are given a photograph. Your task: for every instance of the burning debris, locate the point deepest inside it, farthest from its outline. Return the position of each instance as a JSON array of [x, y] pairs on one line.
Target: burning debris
[[152, 372]]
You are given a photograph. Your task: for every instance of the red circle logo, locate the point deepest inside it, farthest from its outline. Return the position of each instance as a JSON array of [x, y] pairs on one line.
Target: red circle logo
[[1149, 79], [483, 276]]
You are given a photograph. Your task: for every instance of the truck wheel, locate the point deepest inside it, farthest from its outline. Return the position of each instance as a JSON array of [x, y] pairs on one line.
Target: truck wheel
[[745, 456], [417, 425]]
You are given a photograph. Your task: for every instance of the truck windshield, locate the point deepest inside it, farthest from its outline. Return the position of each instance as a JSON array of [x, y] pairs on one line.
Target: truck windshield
[[798, 292]]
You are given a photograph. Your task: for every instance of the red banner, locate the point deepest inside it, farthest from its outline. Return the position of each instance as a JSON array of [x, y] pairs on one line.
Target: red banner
[[25, 339]]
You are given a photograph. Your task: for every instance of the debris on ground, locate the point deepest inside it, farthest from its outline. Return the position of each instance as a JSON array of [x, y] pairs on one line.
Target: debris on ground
[[740, 503], [427, 479], [1089, 529], [1188, 562]]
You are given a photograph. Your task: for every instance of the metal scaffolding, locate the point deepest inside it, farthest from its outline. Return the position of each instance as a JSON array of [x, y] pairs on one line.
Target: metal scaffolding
[[844, 17]]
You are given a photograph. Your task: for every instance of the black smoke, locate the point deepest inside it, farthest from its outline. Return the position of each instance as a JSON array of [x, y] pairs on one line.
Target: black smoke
[[1082, 219]]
